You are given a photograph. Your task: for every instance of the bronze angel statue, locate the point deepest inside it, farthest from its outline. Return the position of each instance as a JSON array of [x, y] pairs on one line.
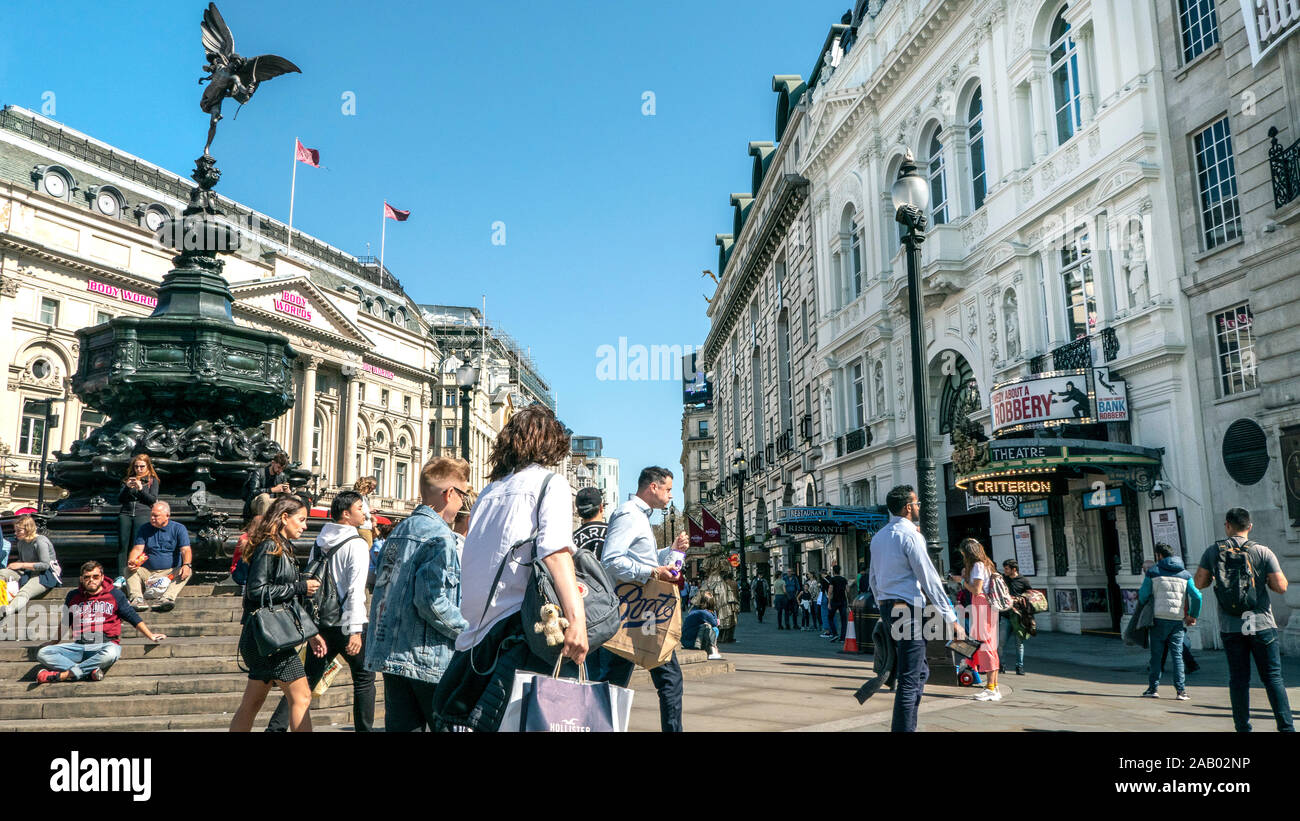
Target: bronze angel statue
[[229, 74]]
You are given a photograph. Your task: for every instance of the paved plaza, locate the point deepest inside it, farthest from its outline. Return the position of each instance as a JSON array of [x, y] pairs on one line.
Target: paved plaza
[[792, 681]]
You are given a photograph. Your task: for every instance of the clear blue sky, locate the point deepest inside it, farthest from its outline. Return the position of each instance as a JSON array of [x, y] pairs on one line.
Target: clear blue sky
[[468, 113]]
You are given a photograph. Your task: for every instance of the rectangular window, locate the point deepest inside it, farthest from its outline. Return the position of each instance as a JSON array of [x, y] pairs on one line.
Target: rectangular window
[[1200, 27], [31, 436], [703, 427], [379, 476], [804, 309], [102, 316], [1235, 337], [399, 492], [449, 398], [383, 397], [49, 311], [361, 391], [449, 437], [855, 257], [1080, 291], [859, 396], [406, 405], [704, 489], [90, 420], [1216, 175], [704, 460]]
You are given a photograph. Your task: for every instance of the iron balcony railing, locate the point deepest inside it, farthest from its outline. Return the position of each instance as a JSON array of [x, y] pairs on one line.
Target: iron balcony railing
[[852, 441], [1076, 354], [1284, 165], [785, 442]]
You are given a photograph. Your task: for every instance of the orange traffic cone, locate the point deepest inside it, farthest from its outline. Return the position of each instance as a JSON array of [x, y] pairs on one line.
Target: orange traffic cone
[[850, 637]]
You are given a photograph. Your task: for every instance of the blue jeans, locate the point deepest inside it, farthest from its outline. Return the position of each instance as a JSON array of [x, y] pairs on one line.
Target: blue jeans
[[1263, 647], [826, 618], [912, 668], [1007, 633], [1167, 634], [667, 679], [81, 659]]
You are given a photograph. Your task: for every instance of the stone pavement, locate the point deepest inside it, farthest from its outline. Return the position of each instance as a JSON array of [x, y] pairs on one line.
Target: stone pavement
[[794, 681]]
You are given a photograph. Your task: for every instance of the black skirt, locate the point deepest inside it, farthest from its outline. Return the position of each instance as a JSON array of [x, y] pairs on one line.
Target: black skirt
[[281, 666]]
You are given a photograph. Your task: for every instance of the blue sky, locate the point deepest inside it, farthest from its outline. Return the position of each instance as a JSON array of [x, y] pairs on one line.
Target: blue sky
[[468, 114]]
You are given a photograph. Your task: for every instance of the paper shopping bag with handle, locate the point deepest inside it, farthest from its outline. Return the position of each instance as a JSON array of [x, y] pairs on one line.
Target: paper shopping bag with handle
[[650, 622]]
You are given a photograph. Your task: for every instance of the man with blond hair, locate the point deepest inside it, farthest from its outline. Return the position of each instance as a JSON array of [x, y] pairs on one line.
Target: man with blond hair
[[415, 609]]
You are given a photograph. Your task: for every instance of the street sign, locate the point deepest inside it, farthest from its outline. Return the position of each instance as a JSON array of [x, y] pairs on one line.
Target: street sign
[[734, 560]]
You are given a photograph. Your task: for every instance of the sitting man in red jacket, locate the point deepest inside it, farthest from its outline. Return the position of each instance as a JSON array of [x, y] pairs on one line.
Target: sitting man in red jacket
[[92, 630]]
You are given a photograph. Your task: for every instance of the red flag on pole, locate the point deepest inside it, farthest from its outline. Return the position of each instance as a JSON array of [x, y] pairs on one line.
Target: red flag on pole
[[697, 533], [308, 155], [712, 530], [393, 214]]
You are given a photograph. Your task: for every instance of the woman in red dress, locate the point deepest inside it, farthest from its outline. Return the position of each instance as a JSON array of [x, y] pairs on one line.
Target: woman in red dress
[[977, 579]]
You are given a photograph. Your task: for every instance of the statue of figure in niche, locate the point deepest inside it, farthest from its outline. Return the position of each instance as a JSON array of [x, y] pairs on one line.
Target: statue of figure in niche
[[1135, 267], [878, 383], [1011, 321]]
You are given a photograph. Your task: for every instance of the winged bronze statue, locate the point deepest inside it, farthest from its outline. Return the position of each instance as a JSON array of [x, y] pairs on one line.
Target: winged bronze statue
[[229, 74]]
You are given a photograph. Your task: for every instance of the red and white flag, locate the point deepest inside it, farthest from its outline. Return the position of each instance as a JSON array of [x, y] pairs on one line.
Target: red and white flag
[[393, 214], [308, 155]]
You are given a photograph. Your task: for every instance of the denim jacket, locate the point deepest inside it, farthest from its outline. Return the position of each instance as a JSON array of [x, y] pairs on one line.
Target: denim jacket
[[415, 608]]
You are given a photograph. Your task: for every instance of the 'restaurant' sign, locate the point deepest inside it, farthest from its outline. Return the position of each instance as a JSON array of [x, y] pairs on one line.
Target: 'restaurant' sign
[[1268, 23], [1041, 401]]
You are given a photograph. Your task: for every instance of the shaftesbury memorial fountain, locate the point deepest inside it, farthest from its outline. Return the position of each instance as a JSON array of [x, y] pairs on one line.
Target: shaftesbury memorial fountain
[[185, 385]]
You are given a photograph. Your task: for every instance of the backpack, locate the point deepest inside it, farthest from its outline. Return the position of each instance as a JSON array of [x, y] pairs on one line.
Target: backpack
[[1234, 578], [326, 609], [999, 594]]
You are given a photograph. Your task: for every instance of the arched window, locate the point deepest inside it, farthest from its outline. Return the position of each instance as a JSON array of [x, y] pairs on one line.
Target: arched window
[[975, 143], [938, 192], [1065, 78], [850, 254]]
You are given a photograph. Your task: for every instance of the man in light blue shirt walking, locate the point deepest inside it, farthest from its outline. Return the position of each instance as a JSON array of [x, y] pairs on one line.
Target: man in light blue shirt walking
[[902, 578], [631, 556]]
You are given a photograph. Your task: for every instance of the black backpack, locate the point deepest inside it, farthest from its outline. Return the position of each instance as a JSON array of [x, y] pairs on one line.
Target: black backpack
[[1234, 578], [326, 609]]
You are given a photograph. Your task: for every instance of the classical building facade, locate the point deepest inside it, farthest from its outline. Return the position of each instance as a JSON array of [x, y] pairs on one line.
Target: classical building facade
[[77, 247], [1233, 119], [760, 350]]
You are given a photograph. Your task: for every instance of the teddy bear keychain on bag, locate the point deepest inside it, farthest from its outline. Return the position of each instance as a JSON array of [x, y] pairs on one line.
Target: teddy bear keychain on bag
[[552, 625]]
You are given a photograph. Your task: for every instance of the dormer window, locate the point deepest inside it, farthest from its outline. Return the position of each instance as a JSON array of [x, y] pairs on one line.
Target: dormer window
[[107, 200], [54, 180]]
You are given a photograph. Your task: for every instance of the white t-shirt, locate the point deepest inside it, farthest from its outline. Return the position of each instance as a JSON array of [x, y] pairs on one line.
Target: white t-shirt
[[979, 571], [505, 514]]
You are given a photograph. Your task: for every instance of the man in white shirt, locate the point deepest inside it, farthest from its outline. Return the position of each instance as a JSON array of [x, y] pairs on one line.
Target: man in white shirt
[[902, 578], [631, 555]]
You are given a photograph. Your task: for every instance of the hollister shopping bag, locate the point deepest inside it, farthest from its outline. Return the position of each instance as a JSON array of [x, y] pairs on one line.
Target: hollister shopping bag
[[650, 622], [566, 705]]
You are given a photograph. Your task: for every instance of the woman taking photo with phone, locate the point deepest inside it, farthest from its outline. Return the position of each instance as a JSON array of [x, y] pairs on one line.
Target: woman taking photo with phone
[[140, 489], [977, 579], [273, 578]]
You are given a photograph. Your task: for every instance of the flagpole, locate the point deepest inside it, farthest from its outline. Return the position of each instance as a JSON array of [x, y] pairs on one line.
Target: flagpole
[[293, 186], [382, 233]]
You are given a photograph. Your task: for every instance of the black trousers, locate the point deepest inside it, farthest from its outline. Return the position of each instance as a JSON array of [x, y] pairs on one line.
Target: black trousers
[[363, 682], [408, 705]]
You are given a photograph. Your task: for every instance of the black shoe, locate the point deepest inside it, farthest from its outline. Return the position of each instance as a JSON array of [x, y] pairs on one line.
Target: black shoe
[[164, 606], [1020, 671]]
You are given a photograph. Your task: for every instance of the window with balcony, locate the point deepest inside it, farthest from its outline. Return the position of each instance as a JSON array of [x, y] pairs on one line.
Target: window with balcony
[[938, 191], [449, 398], [975, 145], [31, 434], [1064, 55], [1216, 176], [1079, 289], [1200, 25], [1235, 339], [859, 396]]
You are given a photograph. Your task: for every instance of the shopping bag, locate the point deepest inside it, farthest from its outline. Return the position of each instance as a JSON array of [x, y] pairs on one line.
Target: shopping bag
[[650, 623], [523, 704]]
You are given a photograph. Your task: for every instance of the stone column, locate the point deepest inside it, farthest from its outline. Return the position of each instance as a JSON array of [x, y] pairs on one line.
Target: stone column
[[1038, 115], [308, 418], [1087, 103], [422, 442], [348, 419]]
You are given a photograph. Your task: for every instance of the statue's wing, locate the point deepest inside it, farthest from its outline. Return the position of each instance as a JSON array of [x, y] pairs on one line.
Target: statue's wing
[[266, 66], [217, 39]]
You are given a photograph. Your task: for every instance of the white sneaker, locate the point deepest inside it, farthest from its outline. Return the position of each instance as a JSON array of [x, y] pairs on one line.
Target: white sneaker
[[715, 655], [984, 695], [996, 695]]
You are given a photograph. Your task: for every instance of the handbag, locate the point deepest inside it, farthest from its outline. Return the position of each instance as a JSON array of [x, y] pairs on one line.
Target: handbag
[[281, 626], [550, 704]]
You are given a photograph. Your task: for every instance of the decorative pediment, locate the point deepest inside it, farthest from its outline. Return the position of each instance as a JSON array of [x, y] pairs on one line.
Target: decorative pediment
[[1118, 180], [297, 304]]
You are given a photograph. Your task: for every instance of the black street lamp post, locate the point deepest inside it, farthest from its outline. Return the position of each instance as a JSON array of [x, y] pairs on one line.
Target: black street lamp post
[[911, 196], [466, 377], [738, 473], [51, 422]]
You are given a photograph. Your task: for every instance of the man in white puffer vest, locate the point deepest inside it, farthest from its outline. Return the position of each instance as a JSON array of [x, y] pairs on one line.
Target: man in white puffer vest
[[1176, 605]]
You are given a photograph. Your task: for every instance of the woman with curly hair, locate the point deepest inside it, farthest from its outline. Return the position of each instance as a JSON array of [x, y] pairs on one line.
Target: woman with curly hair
[[366, 485], [273, 578]]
